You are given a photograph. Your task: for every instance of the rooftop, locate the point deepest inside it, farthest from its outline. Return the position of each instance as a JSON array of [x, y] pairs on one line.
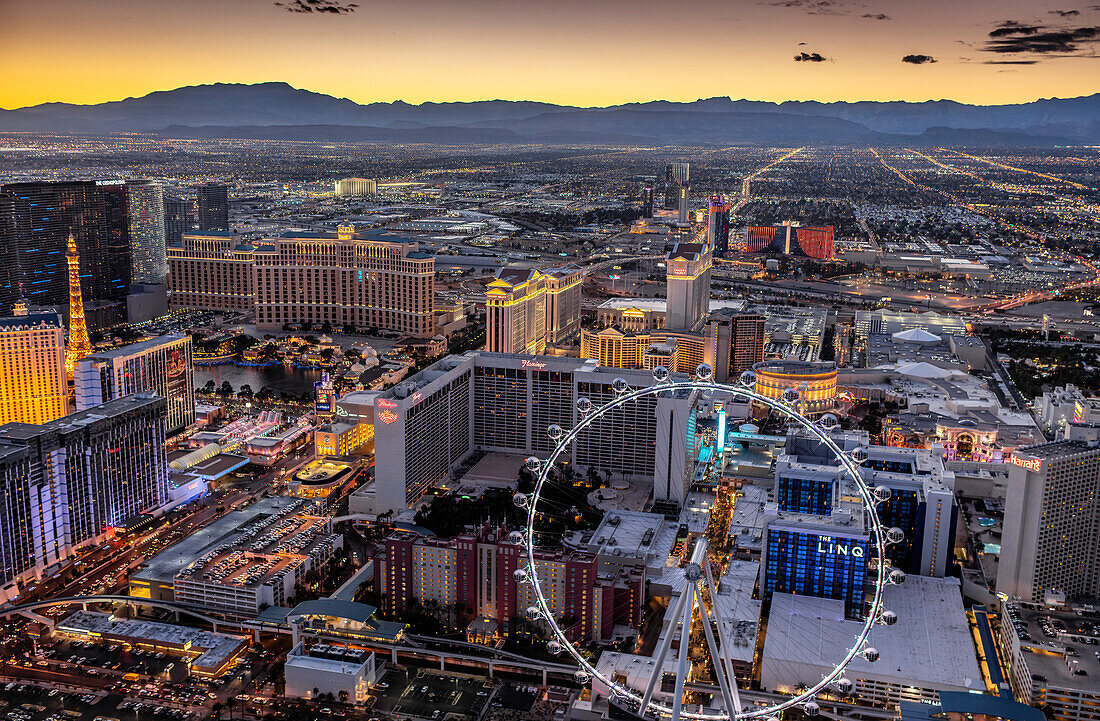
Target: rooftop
[[216, 648], [929, 646], [135, 348], [164, 566]]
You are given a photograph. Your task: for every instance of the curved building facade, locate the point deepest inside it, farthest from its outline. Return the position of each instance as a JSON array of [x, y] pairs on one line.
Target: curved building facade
[[815, 381]]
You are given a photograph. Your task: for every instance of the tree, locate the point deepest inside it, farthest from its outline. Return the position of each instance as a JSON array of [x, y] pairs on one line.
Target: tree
[[210, 387], [245, 391], [226, 390]]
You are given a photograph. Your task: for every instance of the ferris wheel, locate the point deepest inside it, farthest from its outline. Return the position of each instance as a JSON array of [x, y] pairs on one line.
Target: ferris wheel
[[696, 599]]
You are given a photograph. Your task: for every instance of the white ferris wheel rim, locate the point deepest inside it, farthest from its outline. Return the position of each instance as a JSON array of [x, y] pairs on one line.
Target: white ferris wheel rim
[[623, 692]]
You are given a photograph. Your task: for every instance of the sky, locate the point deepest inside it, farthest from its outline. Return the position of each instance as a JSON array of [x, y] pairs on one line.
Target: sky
[[578, 52]]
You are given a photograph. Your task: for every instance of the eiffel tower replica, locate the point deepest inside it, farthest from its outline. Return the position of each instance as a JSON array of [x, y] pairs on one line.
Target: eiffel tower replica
[[79, 344]]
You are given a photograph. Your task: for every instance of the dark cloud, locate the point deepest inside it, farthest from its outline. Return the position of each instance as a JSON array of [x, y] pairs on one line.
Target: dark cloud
[[802, 43], [1014, 37], [332, 7], [812, 7], [918, 59], [1065, 13], [876, 16], [1011, 27], [810, 58]]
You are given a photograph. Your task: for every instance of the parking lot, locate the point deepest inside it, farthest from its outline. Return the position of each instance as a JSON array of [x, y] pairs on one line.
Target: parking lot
[[25, 702], [430, 695]]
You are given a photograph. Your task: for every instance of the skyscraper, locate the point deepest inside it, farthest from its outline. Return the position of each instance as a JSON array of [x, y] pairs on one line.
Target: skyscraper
[[739, 341], [177, 220], [677, 187], [528, 308], [160, 365], [1051, 539], [69, 481], [647, 198], [33, 386], [79, 343], [9, 269], [212, 207], [718, 225], [145, 211], [687, 273], [41, 217]]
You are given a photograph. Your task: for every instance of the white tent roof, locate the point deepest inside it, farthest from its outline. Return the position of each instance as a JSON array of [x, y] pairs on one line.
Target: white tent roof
[[925, 370], [916, 335]]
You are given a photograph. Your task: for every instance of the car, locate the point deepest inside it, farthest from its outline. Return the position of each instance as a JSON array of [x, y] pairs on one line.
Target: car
[[383, 685]]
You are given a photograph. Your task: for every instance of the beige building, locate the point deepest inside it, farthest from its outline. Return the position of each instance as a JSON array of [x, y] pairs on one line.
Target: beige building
[[33, 384], [526, 309], [687, 278], [379, 281], [356, 186], [1051, 542], [729, 343], [212, 270]]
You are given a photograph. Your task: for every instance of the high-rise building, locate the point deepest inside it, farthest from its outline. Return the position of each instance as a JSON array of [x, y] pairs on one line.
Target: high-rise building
[[33, 385], [162, 366], [921, 502], [211, 271], [145, 211], [178, 220], [42, 215], [739, 341], [1051, 539], [372, 281], [476, 571], [718, 225], [515, 312], [435, 419], [212, 206], [677, 187], [687, 276], [356, 186], [527, 308], [79, 345], [647, 197], [70, 481], [9, 257]]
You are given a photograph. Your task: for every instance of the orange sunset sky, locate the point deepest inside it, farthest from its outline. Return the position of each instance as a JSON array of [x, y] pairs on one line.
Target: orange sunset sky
[[582, 52]]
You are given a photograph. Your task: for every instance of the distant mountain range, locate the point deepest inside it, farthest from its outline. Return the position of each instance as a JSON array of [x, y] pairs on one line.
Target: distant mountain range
[[278, 111]]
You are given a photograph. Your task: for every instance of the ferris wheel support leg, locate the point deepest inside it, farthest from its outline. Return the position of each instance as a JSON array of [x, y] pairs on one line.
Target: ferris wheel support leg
[[716, 660], [662, 650], [725, 649], [682, 663]]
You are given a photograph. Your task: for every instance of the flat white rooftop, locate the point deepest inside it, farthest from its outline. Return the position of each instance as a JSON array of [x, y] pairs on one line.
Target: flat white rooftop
[[929, 647]]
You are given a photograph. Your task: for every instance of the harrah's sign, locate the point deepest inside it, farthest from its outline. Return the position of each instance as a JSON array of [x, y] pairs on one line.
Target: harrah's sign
[[1032, 464], [387, 411]]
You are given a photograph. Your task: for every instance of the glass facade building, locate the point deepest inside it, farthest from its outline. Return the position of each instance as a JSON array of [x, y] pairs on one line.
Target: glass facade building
[[805, 495], [815, 563], [145, 208]]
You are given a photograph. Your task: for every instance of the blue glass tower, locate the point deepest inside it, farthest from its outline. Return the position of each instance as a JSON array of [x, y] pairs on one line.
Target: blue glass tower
[[815, 563]]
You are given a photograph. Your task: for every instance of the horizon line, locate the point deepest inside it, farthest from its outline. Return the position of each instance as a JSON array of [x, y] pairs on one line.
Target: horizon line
[[544, 102]]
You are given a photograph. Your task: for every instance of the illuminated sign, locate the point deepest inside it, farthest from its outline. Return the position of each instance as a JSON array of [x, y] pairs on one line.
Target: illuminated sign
[[828, 545], [533, 364], [388, 410], [1032, 464]]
